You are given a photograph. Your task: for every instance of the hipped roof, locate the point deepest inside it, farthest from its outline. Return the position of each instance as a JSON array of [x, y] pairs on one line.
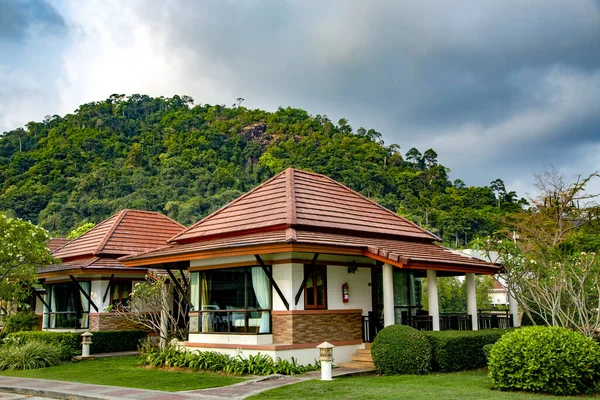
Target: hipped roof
[[126, 232], [299, 211]]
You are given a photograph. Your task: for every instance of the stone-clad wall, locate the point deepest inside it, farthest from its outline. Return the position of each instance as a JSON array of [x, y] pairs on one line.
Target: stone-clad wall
[[111, 322], [307, 326]]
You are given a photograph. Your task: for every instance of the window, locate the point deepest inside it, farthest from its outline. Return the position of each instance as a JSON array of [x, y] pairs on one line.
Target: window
[[315, 289], [119, 294], [232, 300], [69, 307]]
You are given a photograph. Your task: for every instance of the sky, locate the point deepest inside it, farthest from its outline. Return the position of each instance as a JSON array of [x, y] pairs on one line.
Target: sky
[[498, 88]]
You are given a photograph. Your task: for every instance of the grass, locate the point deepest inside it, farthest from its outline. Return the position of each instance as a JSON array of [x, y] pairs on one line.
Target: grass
[[123, 371], [470, 385]]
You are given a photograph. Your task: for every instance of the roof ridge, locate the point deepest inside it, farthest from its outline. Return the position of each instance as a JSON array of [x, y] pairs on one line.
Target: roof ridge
[[290, 194], [235, 201], [375, 203], [120, 217]]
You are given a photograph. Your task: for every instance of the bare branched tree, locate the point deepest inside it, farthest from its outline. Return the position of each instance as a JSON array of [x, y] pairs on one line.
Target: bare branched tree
[[160, 304]]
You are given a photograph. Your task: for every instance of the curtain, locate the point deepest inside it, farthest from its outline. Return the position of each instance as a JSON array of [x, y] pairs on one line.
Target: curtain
[[262, 290], [85, 304], [194, 291], [205, 301], [51, 291]]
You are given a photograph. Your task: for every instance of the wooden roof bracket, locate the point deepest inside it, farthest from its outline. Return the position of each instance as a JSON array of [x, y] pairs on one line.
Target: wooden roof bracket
[[108, 288], [39, 296], [301, 288], [83, 292], [273, 283]]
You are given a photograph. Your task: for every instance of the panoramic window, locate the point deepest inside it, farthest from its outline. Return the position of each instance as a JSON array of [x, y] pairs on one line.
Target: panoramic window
[[315, 289], [233, 300], [69, 307], [119, 294]]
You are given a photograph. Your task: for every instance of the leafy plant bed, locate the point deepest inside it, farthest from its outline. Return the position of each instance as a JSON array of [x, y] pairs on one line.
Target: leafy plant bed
[[260, 364], [466, 385], [124, 371]]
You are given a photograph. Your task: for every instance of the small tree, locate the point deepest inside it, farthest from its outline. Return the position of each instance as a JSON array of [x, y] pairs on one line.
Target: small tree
[[161, 305], [546, 269], [23, 249], [80, 230]]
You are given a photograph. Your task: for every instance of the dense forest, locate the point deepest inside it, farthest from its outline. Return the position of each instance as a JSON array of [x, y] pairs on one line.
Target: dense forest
[[186, 160]]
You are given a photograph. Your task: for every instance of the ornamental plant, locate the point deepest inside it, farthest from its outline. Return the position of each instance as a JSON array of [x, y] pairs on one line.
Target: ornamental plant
[[400, 349], [551, 360]]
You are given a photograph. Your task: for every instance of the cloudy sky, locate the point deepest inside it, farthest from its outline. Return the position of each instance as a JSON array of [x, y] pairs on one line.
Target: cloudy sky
[[499, 88]]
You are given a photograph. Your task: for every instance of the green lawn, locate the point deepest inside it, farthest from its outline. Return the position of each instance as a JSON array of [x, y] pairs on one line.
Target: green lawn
[[123, 371], [471, 385]]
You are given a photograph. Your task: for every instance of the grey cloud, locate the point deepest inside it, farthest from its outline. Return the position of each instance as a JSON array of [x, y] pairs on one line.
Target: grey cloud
[[19, 16]]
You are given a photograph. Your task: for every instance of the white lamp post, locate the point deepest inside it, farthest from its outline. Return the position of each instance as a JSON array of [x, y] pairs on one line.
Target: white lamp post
[[326, 358], [86, 342]]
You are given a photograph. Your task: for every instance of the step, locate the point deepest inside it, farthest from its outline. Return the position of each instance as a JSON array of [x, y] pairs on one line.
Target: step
[[362, 359], [367, 346], [362, 365], [363, 352]]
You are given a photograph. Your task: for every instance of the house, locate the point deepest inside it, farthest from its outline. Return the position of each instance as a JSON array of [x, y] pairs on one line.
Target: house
[[302, 259], [90, 278]]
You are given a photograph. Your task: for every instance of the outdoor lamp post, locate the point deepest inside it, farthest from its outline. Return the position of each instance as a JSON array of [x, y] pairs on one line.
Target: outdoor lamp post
[[86, 341], [326, 358]]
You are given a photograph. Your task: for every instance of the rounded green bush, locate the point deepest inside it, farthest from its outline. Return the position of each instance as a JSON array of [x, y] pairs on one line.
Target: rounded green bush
[[543, 359], [400, 349]]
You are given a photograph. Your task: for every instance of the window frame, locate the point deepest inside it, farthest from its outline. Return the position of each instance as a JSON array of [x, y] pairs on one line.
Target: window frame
[[119, 283], [311, 270]]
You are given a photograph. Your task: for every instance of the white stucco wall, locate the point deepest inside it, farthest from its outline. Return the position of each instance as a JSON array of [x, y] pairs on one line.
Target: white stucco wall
[[359, 289]]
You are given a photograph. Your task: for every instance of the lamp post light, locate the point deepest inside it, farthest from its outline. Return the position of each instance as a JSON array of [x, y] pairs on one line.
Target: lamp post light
[[86, 342], [326, 358]]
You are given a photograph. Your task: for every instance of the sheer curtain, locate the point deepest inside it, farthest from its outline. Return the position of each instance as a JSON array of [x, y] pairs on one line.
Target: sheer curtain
[[85, 304], [205, 302], [262, 289], [52, 322]]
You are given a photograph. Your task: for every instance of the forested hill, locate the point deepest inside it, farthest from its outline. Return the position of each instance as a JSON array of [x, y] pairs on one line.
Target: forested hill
[[167, 155]]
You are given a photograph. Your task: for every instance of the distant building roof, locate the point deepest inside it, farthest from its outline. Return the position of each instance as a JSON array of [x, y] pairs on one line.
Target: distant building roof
[[56, 243], [303, 208], [127, 232]]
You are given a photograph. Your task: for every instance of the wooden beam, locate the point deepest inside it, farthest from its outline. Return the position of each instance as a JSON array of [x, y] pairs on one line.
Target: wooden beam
[[108, 288], [301, 288], [175, 281], [41, 299], [273, 283], [86, 295]]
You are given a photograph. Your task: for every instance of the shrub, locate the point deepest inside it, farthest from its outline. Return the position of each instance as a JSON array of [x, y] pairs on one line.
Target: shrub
[[461, 350], [22, 321], [114, 341], [31, 355], [260, 364], [102, 342], [487, 349], [545, 360], [400, 349]]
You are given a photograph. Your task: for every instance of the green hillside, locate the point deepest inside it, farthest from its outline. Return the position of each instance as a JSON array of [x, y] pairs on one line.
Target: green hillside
[[167, 155]]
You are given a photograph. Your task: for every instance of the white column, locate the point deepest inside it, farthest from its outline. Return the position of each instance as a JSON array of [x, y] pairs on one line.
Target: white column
[[513, 306], [472, 299], [432, 296], [388, 295]]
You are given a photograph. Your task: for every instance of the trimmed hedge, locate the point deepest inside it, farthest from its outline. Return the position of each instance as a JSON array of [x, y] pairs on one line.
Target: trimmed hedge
[[400, 349], [102, 342], [461, 350], [544, 359]]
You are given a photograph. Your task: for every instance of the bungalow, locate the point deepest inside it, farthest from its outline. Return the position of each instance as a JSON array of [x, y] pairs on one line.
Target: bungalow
[[90, 277], [302, 259]]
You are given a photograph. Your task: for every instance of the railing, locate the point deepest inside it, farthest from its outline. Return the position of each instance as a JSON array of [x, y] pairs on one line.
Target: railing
[[67, 320], [486, 319], [230, 321]]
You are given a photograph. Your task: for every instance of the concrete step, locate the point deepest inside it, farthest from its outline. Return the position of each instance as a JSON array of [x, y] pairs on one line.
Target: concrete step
[[359, 359], [361, 365], [363, 352]]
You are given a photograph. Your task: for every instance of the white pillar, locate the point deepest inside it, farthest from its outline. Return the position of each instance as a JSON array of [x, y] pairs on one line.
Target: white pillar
[[472, 299], [388, 295], [326, 371], [513, 306], [432, 296], [164, 317]]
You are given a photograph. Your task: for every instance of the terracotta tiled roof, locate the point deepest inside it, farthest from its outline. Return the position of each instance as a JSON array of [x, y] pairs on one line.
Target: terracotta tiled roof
[[304, 200], [88, 263], [56, 243], [125, 233], [409, 253]]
